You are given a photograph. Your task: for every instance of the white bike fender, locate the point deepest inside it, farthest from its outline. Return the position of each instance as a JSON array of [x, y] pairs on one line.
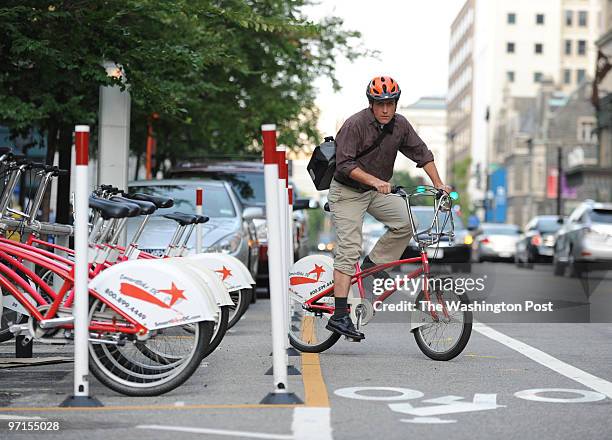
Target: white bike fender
[[155, 294], [213, 282], [232, 272], [311, 275]]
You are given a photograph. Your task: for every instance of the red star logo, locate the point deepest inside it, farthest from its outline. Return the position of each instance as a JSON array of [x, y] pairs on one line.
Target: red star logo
[[225, 272], [175, 293], [317, 270]]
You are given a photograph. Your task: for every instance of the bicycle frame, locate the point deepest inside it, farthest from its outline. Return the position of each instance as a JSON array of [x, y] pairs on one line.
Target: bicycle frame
[[435, 233]]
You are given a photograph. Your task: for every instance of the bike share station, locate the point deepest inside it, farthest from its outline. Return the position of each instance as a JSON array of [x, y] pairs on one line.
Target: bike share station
[[81, 323], [98, 245]]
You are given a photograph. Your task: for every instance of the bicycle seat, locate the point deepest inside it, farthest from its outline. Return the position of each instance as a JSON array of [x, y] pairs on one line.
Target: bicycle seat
[[133, 208], [108, 209], [146, 208], [160, 202], [186, 219]]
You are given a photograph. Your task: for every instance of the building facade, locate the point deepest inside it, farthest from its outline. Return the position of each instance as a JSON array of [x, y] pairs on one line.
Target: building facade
[[513, 47], [428, 117]]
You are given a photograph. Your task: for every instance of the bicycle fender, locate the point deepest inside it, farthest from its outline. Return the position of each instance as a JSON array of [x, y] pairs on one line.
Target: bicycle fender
[[234, 274], [311, 275], [211, 280], [155, 294]]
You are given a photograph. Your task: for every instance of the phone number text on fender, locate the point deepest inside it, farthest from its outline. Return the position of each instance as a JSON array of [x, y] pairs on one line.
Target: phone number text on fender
[[33, 426]]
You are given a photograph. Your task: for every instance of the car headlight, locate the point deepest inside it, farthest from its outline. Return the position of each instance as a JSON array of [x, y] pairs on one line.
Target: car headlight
[[227, 245], [262, 232]]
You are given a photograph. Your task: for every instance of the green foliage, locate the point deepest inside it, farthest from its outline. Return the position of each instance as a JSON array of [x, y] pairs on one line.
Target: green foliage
[[461, 172], [214, 70]]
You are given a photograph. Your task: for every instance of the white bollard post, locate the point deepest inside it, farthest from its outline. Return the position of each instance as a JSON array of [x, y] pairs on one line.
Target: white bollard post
[[280, 394], [80, 307], [282, 203], [199, 197]]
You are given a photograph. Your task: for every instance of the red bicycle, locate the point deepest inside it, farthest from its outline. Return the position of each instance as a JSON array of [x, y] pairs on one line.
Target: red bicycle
[[439, 319]]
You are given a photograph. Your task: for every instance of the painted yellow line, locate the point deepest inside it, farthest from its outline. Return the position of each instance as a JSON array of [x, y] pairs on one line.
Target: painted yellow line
[[141, 407], [315, 390]]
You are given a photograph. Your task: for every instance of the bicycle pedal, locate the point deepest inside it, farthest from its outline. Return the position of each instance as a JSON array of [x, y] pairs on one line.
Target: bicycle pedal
[[349, 339]]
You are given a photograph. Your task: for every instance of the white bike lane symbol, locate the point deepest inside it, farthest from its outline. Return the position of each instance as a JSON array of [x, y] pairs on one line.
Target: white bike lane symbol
[[456, 404], [422, 413]]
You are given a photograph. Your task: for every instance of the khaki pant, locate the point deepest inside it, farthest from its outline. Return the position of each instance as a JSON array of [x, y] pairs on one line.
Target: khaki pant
[[348, 208]]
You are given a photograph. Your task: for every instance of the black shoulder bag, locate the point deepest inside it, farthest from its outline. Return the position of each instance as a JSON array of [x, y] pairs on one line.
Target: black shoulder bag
[[322, 164]]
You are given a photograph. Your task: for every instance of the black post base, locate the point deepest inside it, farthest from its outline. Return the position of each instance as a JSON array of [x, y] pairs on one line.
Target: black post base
[[281, 399], [81, 402], [291, 371]]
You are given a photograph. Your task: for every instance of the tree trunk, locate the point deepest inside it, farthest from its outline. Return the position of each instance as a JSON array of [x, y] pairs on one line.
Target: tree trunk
[[63, 207], [51, 149]]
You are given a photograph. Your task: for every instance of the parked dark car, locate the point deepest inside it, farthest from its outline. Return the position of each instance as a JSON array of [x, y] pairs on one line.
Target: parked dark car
[[457, 254], [537, 243], [247, 180]]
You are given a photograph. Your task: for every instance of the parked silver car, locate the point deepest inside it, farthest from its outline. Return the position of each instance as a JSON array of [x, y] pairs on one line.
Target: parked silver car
[[230, 228], [495, 241], [584, 242]]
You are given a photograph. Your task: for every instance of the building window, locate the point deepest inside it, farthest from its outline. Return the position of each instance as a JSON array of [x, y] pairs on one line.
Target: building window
[[538, 48], [539, 18], [567, 76], [582, 18], [510, 47], [511, 18], [587, 131], [537, 77], [580, 74], [510, 76], [581, 47], [568, 47], [569, 18]]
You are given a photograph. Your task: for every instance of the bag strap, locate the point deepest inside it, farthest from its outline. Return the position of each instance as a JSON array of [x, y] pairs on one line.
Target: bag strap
[[386, 129]]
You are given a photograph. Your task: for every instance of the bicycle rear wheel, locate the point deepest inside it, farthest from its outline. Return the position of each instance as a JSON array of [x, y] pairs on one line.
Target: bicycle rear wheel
[[307, 332], [127, 370], [443, 338]]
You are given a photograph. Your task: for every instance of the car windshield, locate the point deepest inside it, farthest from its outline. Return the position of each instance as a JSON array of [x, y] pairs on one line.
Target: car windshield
[[548, 225], [500, 230], [601, 215], [424, 217], [217, 202]]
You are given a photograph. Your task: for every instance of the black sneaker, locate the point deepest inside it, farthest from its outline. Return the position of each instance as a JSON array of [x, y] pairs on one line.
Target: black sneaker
[[380, 275], [344, 326]]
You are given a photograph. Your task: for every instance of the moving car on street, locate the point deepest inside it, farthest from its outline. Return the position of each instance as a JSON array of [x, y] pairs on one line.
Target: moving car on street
[[456, 254], [584, 243], [537, 243], [495, 241]]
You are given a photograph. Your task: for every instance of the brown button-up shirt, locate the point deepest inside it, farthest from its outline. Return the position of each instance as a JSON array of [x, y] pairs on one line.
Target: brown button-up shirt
[[360, 131]]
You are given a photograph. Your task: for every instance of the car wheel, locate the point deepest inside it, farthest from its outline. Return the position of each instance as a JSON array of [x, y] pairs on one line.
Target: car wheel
[[576, 269], [558, 267]]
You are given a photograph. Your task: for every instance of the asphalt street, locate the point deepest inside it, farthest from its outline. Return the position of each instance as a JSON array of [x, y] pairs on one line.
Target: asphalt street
[[548, 376]]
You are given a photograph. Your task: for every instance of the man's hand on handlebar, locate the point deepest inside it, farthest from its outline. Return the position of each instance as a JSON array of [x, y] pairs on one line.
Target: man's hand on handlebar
[[447, 188], [381, 186]]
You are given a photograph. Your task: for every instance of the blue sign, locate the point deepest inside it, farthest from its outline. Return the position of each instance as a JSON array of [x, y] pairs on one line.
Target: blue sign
[[499, 197]]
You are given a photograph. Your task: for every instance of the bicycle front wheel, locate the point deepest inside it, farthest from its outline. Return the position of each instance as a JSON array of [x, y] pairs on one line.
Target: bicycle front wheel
[[444, 336], [307, 332]]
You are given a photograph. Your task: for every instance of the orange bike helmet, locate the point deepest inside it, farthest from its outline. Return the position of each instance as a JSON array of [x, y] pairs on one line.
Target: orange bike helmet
[[382, 88]]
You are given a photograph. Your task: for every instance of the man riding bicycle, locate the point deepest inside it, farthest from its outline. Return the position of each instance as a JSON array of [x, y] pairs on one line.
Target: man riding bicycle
[[361, 184]]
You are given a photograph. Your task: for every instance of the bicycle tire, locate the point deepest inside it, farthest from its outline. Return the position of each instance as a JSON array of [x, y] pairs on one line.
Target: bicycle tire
[[242, 301], [153, 381], [461, 340]]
